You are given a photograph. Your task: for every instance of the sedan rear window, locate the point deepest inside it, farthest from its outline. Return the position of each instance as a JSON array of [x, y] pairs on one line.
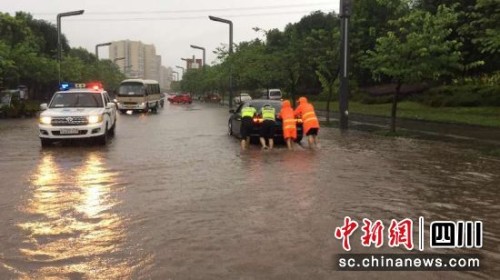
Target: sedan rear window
[[258, 104]]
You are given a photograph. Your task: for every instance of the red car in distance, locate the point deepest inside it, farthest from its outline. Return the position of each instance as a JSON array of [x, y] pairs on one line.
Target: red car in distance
[[181, 98]]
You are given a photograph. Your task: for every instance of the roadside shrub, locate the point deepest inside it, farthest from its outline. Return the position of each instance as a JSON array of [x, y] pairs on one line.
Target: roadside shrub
[[12, 112], [461, 96], [366, 98], [3, 111], [28, 108], [318, 97], [31, 107]]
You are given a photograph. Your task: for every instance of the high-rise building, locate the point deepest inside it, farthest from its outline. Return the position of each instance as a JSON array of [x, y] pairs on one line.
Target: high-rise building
[[157, 67], [135, 59], [150, 71], [165, 77]]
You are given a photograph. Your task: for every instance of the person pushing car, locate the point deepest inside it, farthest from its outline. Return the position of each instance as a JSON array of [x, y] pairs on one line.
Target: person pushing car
[[268, 128], [288, 123], [309, 120], [247, 114]]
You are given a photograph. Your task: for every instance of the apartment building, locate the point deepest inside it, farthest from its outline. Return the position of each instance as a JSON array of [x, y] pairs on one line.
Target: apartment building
[[135, 59], [165, 77]]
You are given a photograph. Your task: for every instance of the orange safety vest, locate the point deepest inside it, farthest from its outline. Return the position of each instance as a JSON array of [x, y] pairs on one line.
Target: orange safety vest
[[309, 119], [289, 122]]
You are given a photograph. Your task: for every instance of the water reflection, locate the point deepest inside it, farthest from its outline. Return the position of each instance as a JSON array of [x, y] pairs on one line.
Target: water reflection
[[281, 189], [71, 228]]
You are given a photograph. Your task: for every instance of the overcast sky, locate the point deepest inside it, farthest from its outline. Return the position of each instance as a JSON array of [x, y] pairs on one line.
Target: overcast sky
[[171, 25]]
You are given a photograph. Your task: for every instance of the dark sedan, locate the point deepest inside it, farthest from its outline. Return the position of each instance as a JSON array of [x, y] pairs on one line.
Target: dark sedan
[[234, 122]]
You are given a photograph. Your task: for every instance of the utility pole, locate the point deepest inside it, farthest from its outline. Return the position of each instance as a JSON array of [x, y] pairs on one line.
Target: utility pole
[[204, 56], [59, 55], [230, 53], [345, 14], [97, 48]]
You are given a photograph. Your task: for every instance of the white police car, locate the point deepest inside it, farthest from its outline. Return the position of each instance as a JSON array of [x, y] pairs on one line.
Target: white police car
[[78, 111]]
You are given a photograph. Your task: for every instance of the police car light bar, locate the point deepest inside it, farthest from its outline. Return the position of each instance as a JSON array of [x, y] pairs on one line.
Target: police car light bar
[[92, 85], [66, 86]]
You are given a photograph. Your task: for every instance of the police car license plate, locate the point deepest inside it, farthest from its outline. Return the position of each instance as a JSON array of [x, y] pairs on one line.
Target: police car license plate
[[67, 131]]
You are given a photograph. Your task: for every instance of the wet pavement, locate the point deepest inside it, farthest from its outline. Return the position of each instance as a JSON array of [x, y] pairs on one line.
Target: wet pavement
[[172, 197]]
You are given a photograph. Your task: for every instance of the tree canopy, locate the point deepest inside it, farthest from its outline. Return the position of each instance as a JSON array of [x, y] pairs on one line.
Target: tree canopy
[[291, 58], [28, 50]]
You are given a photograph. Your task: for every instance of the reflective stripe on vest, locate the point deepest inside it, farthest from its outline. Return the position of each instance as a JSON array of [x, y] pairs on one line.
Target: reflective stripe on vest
[[310, 119], [290, 121], [248, 112], [307, 114], [268, 113]]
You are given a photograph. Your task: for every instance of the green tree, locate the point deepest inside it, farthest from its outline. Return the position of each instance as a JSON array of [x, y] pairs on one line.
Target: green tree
[[369, 21], [417, 50], [326, 43], [7, 65], [254, 67], [486, 22], [46, 35], [477, 29], [109, 74], [309, 53], [285, 47]]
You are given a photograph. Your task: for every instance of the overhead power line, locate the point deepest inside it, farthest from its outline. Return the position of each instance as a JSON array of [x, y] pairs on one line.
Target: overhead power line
[[199, 10], [190, 17]]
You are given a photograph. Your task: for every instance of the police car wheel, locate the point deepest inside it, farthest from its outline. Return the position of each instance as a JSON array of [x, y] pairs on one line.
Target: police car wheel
[[112, 129], [103, 139], [230, 128]]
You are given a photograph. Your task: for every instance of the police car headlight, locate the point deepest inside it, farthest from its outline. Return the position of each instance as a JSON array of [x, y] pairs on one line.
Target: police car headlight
[[95, 119], [45, 120]]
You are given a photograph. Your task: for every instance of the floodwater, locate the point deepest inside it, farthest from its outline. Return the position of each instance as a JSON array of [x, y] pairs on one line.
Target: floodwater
[[172, 197]]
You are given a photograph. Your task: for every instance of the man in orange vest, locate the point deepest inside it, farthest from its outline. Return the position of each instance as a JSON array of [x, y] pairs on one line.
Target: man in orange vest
[[310, 122], [288, 123]]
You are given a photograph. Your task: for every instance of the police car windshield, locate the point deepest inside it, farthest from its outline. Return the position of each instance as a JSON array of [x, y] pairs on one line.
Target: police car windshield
[[274, 93], [76, 100], [131, 89]]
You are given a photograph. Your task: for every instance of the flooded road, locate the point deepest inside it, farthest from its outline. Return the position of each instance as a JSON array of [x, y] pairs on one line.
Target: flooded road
[[172, 197]]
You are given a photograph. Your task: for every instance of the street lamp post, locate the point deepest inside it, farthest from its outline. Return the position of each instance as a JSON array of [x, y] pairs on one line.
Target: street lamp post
[[187, 61], [345, 13], [230, 53], [182, 68], [204, 57], [97, 55], [97, 48], [119, 58], [59, 16]]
